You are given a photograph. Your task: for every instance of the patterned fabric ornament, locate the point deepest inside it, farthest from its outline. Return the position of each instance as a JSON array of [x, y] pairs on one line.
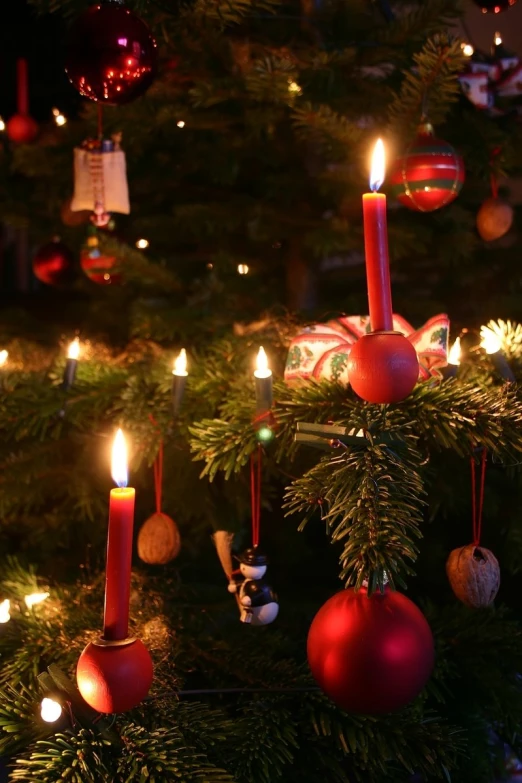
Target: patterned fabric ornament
[[321, 351], [100, 180], [429, 175]]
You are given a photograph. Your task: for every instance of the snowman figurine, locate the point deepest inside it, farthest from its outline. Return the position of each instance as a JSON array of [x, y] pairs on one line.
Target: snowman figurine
[[257, 601]]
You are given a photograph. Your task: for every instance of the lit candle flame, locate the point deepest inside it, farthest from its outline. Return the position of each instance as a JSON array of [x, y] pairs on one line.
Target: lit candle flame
[[378, 165], [489, 341], [4, 611], [50, 710], [119, 460], [498, 39], [74, 349], [454, 354], [35, 598], [180, 363], [262, 368], [3, 357]]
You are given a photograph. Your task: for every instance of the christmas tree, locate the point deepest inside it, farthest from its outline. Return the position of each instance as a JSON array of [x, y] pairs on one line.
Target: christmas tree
[[246, 156]]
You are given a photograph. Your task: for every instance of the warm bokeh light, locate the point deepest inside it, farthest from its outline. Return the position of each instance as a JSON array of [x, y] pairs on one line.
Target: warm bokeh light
[[119, 469], [262, 368], [50, 710], [142, 244], [498, 39], [35, 598], [4, 355], [74, 349], [467, 49], [377, 167], [2, 125], [294, 88], [489, 341], [454, 354], [180, 124], [4, 611], [243, 269], [180, 363]]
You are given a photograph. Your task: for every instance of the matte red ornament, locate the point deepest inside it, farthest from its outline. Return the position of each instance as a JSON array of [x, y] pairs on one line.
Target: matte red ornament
[[53, 264], [99, 267], [111, 55], [494, 6], [114, 678], [370, 655], [383, 367], [429, 175]]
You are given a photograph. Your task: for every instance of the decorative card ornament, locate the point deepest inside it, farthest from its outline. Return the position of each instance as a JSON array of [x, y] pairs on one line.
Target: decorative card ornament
[[100, 181], [321, 351]]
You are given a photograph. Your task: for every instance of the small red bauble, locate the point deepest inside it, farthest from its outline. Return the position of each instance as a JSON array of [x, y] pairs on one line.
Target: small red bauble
[[430, 174], [21, 129], [494, 6], [114, 678], [370, 655], [98, 267], [53, 264], [383, 367], [111, 54]]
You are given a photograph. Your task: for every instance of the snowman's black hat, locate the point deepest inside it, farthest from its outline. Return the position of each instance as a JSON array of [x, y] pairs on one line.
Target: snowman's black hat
[[253, 557]]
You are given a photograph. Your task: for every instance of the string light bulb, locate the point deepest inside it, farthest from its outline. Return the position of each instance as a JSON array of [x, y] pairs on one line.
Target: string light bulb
[[142, 244], [180, 124], [243, 269], [467, 49], [50, 710], [498, 39], [489, 341], [34, 599], [4, 355], [294, 88], [59, 118], [4, 611], [2, 124]]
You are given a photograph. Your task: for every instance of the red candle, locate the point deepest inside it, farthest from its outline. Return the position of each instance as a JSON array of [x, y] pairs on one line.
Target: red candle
[[376, 248], [119, 547], [21, 86]]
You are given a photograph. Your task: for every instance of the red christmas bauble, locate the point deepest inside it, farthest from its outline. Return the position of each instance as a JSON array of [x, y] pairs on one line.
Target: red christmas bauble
[[111, 55], [114, 679], [370, 655], [429, 175], [383, 367], [53, 264], [99, 267], [494, 6], [21, 129]]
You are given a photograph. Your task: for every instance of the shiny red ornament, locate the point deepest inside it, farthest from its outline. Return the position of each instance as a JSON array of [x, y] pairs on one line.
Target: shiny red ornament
[[429, 175], [370, 655], [99, 267], [53, 264], [21, 129], [114, 678], [494, 6], [111, 55], [383, 367]]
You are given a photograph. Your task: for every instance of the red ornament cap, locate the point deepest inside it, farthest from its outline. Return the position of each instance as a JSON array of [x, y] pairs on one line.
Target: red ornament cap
[[370, 655]]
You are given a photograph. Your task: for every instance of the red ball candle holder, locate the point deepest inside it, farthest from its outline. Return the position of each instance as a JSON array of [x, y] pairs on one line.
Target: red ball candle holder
[[114, 676], [383, 367]]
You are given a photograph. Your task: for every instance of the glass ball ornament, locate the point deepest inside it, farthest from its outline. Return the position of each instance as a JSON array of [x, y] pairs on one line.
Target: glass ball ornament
[[429, 175], [53, 264], [494, 6], [21, 129], [111, 55]]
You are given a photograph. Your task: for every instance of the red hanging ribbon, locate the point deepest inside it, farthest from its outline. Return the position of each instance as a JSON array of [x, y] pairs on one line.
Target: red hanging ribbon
[[158, 470], [493, 178], [255, 493], [22, 89], [477, 517]]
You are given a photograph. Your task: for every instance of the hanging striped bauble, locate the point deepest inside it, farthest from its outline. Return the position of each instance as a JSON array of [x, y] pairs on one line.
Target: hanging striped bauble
[[429, 175]]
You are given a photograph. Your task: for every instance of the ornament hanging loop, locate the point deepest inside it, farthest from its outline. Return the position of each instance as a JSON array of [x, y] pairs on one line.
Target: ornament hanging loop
[[255, 493], [477, 511]]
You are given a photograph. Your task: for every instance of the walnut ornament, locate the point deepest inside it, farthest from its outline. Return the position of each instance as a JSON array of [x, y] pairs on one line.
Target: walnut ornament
[[159, 540], [474, 575], [494, 219]]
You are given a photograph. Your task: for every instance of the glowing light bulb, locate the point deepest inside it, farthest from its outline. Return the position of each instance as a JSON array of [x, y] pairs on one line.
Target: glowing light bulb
[[378, 166], [262, 369], [294, 88], [74, 349], [34, 599], [180, 363], [180, 124], [119, 469], [243, 269], [141, 244], [498, 39], [2, 125], [455, 352], [4, 355], [489, 341], [50, 710], [467, 49], [4, 611]]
